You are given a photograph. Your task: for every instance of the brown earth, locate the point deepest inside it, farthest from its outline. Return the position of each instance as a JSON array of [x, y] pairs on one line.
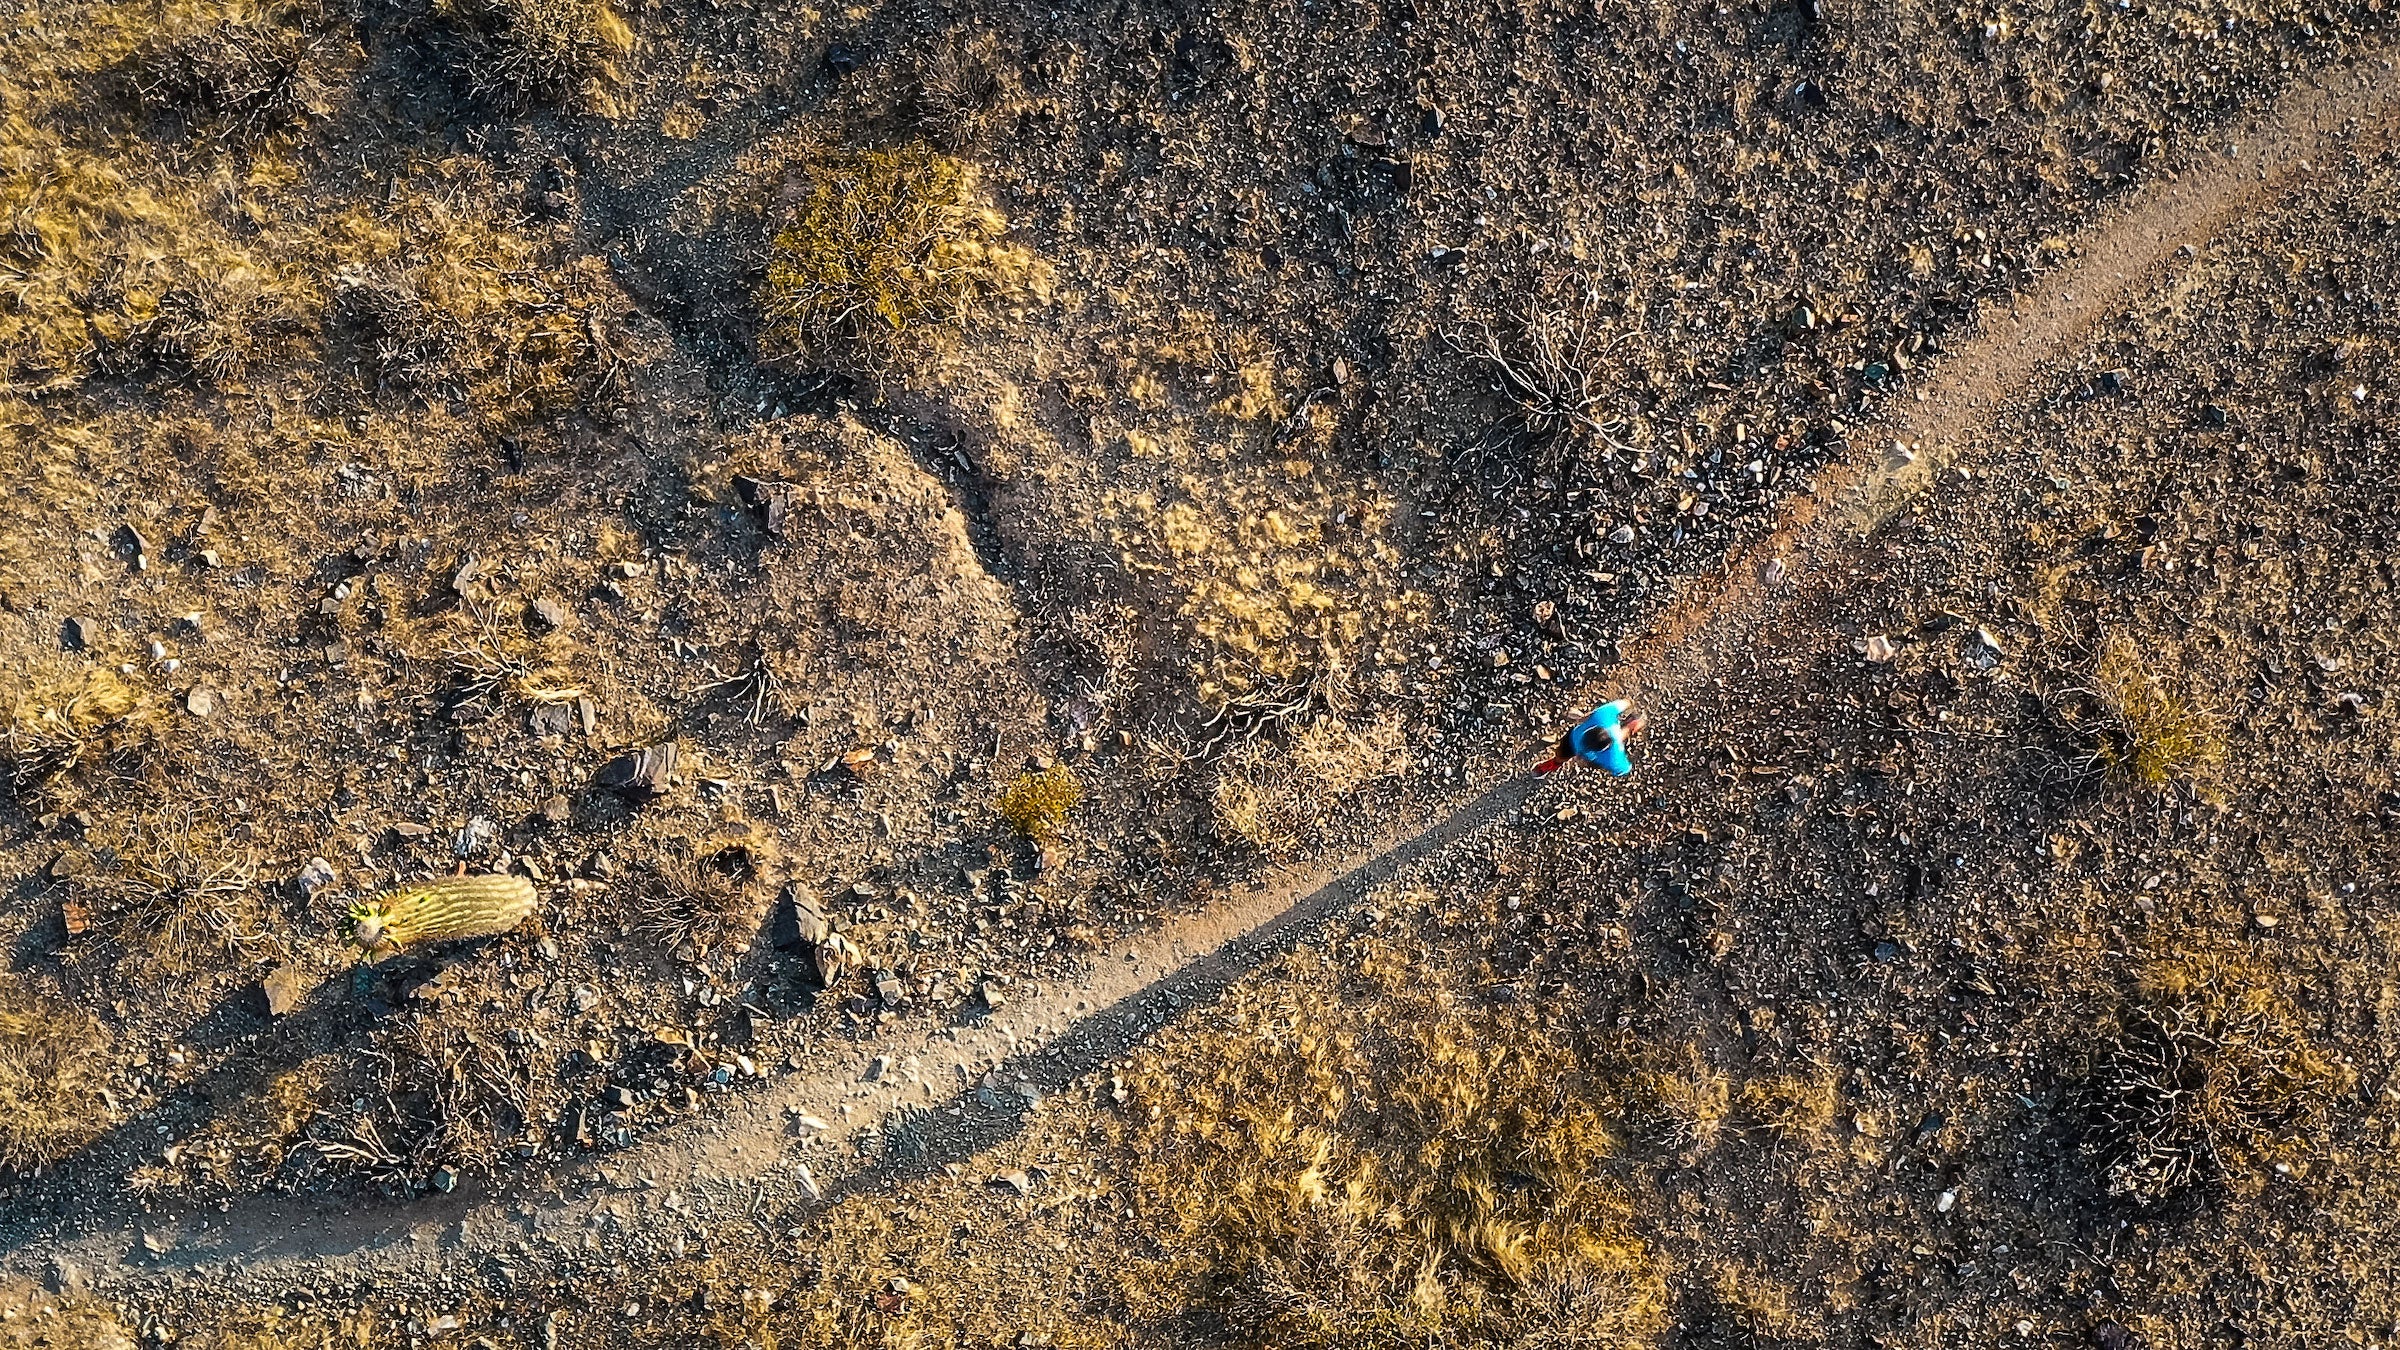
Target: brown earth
[[1143, 513]]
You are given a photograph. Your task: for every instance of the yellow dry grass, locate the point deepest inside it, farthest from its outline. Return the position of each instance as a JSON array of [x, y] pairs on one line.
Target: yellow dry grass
[[1334, 1177], [885, 245], [2161, 737], [1035, 805], [49, 1079]]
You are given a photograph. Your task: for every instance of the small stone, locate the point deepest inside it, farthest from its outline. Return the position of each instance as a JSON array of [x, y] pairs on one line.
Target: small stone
[[445, 1180], [409, 829], [157, 1244], [464, 575], [878, 1067], [315, 876], [770, 502], [1880, 649], [2266, 920], [798, 922], [887, 988], [548, 615], [2112, 1335], [1012, 1180], [588, 714], [282, 990], [1621, 536], [836, 956], [1341, 371], [642, 774], [1944, 1204], [586, 998], [556, 810], [80, 634], [808, 1183], [990, 996], [201, 702], [814, 1123], [551, 719], [619, 1098], [2214, 415], [66, 1277]]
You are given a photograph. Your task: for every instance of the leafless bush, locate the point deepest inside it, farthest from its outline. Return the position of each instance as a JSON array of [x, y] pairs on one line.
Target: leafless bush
[[959, 85], [2207, 1079], [258, 73]]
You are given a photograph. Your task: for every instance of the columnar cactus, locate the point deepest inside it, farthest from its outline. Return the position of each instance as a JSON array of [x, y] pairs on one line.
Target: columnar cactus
[[439, 911]]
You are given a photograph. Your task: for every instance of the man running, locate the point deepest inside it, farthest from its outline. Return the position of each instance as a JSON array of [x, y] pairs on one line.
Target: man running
[[1598, 739]]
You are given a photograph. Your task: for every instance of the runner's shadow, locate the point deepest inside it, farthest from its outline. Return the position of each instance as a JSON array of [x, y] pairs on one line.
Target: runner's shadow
[[923, 1141]]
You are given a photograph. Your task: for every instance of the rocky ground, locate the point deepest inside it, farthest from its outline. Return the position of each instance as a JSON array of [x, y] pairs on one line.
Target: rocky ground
[[409, 459]]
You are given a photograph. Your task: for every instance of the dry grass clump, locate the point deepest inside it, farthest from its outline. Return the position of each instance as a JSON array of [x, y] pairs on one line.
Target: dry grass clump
[[959, 85], [451, 1095], [443, 302], [1787, 1106], [2208, 1079], [1427, 1179], [106, 272], [883, 245], [525, 52], [1277, 571], [695, 895], [1272, 797], [1035, 805], [2151, 735], [62, 722], [177, 890], [49, 1077], [240, 72]]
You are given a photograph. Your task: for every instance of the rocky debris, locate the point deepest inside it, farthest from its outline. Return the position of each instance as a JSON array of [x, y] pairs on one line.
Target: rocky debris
[[877, 1068], [547, 615], [445, 1180], [315, 875], [202, 701], [79, 634], [1879, 649], [836, 956], [643, 774], [551, 719], [799, 924], [1012, 1180], [808, 1182], [989, 995], [888, 988], [282, 990], [770, 501]]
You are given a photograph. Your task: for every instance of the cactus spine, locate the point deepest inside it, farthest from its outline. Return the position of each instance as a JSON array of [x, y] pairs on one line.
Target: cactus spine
[[453, 907]]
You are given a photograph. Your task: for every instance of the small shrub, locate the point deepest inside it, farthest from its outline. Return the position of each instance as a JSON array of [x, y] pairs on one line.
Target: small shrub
[[239, 75], [177, 890], [55, 729], [2208, 1079], [49, 1075], [2151, 735], [695, 894], [959, 84], [1036, 804], [884, 244], [540, 51]]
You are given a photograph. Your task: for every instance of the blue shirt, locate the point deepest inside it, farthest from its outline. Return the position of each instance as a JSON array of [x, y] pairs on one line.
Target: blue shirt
[[1599, 739]]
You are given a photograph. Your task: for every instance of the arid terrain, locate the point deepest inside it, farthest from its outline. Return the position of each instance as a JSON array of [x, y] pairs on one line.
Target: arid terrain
[[751, 676]]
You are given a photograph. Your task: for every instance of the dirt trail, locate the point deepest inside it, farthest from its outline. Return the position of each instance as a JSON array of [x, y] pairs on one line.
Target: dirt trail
[[745, 1164]]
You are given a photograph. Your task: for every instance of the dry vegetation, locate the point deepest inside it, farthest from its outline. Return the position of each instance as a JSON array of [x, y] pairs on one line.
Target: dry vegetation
[[881, 247], [48, 1076], [523, 52], [1036, 803], [2210, 1080]]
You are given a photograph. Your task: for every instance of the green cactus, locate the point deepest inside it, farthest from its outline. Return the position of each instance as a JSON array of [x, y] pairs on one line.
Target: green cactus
[[439, 911]]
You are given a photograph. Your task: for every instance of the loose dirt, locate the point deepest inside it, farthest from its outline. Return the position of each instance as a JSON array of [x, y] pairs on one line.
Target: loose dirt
[[1778, 593]]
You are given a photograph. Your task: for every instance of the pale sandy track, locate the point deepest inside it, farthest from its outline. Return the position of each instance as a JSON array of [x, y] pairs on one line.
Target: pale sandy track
[[742, 1165]]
